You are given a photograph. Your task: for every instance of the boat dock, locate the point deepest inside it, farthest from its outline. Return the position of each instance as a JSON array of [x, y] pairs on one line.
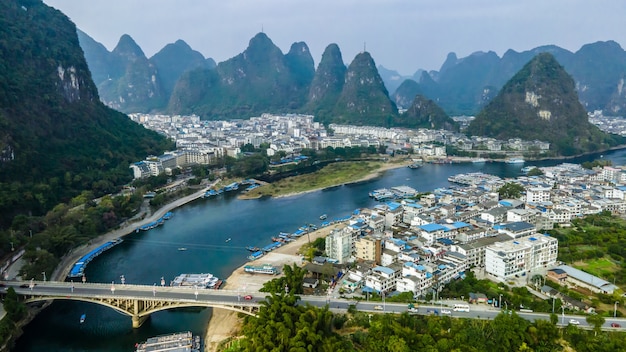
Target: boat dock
[[79, 267], [160, 221], [178, 342]]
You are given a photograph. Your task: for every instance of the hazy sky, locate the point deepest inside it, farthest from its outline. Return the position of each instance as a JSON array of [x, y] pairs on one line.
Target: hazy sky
[[404, 35]]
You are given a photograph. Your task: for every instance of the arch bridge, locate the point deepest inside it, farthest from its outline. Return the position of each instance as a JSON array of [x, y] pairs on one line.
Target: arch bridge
[[138, 301]]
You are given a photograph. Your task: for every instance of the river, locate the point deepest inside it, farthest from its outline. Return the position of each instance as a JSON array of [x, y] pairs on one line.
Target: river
[[203, 227]]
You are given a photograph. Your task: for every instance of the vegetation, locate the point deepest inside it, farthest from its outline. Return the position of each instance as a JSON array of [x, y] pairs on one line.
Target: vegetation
[[331, 175], [554, 115], [597, 244], [596, 163], [425, 113], [284, 326], [56, 138], [510, 190]]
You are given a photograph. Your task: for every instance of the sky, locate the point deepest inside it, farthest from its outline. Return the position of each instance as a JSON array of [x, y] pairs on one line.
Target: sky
[[403, 35]]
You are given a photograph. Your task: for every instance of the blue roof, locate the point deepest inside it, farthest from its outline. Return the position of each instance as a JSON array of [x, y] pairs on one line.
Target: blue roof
[[460, 224], [393, 205], [445, 241], [433, 227], [383, 269]]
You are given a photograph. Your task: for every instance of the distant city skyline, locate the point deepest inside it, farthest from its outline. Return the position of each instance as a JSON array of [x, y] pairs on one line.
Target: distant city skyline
[[403, 35]]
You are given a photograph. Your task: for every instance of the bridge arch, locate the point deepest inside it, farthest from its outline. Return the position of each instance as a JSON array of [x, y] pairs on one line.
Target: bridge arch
[[139, 309]]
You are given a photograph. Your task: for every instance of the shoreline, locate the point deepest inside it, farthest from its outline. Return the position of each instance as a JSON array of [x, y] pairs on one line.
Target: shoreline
[[372, 175], [224, 323], [70, 258]]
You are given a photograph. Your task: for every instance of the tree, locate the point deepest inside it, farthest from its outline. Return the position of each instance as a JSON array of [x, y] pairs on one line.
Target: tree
[[510, 190], [596, 320]]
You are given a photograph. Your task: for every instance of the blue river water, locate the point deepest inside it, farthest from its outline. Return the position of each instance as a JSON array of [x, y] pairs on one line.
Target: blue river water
[[203, 227]]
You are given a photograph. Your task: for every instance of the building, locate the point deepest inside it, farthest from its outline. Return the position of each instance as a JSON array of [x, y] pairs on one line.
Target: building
[[369, 248], [517, 257], [339, 245]]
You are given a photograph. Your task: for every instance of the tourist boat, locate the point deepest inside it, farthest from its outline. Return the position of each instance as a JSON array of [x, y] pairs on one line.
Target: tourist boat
[[82, 318], [479, 160], [252, 248], [414, 166], [228, 240], [323, 217], [515, 161], [195, 280], [263, 269], [182, 248], [182, 341]]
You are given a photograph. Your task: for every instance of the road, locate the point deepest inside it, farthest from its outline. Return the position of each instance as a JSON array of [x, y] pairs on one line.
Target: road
[[69, 290]]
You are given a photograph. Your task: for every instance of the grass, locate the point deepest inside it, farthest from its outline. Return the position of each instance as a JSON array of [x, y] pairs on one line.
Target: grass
[[331, 175], [601, 267]]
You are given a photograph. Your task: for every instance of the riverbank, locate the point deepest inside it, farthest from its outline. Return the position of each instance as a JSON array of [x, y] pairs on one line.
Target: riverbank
[[125, 229], [224, 323], [305, 186]]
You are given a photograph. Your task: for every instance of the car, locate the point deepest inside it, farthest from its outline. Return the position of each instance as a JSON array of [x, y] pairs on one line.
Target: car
[[615, 325], [247, 297], [446, 311], [24, 286], [378, 307], [574, 322]]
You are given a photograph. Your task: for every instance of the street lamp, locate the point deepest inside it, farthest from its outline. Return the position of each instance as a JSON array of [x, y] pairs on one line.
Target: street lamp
[[553, 298], [44, 276], [154, 290], [384, 305], [563, 315], [615, 309], [112, 287], [500, 302], [506, 306]]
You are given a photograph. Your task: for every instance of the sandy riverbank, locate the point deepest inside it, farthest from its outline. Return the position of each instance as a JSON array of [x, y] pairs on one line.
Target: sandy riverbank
[[225, 323]]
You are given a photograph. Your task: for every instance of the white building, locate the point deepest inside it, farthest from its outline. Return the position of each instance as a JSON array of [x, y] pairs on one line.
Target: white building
[[339, 245], [516, 257]]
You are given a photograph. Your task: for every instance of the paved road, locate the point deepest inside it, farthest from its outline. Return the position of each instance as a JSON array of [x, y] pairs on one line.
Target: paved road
[[207, 296]]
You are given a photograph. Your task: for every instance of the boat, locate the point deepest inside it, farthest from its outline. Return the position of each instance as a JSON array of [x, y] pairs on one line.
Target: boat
[[414, 166], [479, 160], [263, 269], [323, 217], [195, 280], [228, 240], [82, 318], [182, 341], [253, 248], [182, 248], [515, 161]]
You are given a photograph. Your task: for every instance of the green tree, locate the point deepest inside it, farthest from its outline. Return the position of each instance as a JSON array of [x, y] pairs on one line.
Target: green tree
[[510, 190]]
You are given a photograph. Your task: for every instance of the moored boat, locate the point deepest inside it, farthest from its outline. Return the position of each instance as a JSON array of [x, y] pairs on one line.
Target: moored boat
[[195, 280], [183, 341], [323, 217], [515, 161], [82, 318]]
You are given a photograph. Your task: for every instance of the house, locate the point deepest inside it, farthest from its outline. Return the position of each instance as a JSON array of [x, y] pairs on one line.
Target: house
[[580, 278], [477, 298]]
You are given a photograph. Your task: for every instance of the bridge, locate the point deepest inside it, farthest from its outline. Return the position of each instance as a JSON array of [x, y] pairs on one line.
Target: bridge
[[139, 301], [136, 301]]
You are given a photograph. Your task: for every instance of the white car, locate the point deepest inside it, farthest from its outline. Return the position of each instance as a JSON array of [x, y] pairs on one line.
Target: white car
[[574, 322], [378, 308], [446, 312]]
